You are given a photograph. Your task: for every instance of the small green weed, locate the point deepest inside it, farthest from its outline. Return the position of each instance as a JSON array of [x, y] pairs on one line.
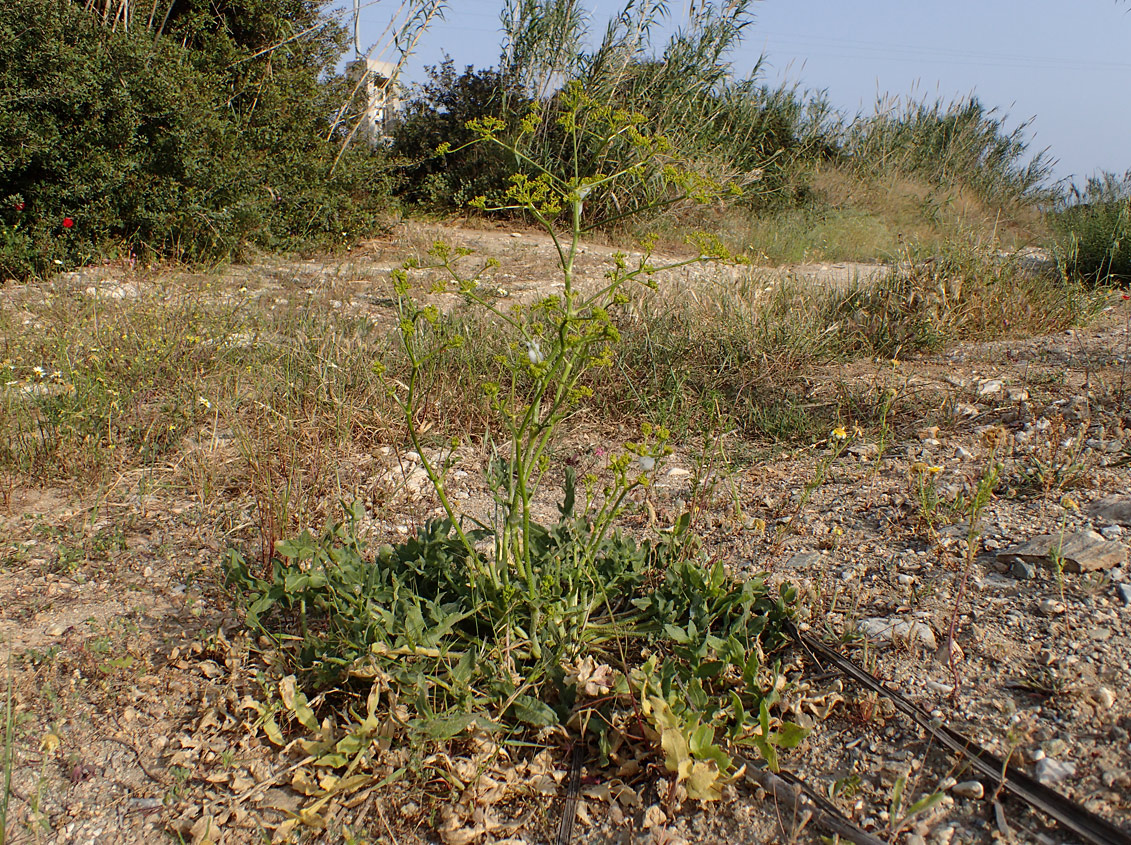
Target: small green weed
[[925, 485], [975, 505], [1057, 460], [901, 813], [838, 440]]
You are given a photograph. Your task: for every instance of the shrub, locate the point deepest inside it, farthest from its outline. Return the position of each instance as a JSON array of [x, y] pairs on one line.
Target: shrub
[[1093, 230], [439, 113], [185, 145]]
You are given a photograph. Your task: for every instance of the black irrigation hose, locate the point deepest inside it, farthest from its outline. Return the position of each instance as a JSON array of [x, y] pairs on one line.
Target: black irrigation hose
[[569, 811], [1083, 823]]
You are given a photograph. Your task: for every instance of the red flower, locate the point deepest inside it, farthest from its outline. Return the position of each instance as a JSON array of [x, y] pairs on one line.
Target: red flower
[[1125, 295], [68, 222], [19, 206]]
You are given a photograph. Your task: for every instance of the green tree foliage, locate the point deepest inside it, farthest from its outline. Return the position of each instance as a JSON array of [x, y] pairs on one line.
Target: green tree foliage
[[192, 139], [438, 114]]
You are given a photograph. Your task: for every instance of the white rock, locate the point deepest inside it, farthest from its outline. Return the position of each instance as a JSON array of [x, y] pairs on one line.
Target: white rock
[[899, 630], [1105, 698], [1050, 770], [989, 387], [969, 789], [1051, 607]]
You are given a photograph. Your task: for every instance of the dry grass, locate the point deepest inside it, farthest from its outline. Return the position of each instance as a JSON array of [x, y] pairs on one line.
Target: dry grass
[[272, 391], [850, 218]]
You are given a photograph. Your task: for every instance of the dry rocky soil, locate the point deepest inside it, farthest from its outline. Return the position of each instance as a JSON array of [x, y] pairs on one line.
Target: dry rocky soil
[[129, 671]]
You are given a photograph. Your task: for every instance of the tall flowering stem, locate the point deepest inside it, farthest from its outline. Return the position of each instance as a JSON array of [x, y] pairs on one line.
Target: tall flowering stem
[[562, 337]]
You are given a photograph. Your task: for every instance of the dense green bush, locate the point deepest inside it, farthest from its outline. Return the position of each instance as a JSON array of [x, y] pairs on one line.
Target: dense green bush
[[1093, 229], [437, 114], [192, 143]]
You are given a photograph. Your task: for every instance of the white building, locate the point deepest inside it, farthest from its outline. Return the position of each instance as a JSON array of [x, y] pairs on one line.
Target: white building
[[378, 92]]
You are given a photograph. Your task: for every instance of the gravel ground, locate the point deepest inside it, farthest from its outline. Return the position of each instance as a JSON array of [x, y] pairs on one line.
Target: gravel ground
[[129, 675]]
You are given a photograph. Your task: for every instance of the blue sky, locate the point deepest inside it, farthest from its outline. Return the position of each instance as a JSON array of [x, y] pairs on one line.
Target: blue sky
[[1065, 65]]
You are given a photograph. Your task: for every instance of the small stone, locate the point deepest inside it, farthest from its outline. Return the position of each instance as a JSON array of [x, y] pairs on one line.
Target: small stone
[[989, 387], [1050, 770], [678, 472], [962, 454], [805, 560], [1055, 747], [905, 580], [969, 789], [754, 523], [56, 630], [864, 451], [1022, 570], [654, 817], [1051, 607], [1115, 777], [899, 630], [1111, 532], [1105, 698], [1100, 634], [931, 432], [1124, 593]]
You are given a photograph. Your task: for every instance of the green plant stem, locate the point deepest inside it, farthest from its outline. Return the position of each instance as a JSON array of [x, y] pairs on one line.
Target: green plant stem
[[9, 731]]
